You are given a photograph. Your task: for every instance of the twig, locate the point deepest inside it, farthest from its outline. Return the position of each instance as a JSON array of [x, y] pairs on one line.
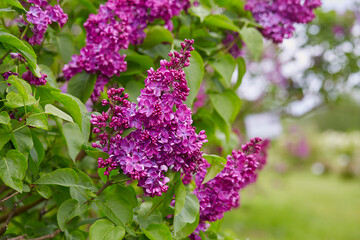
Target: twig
[[108, 183], [22, 209], [5, 55], [3, 188], [81, 155], [8, 197], [11, 214], [49, 236], [21, 237]]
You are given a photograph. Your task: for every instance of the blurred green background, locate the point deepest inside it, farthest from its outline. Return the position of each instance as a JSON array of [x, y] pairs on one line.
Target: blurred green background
[[310, 187]]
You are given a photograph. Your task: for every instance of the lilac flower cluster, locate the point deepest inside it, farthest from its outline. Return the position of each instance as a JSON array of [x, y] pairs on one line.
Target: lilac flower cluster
[[28, 76], [40, 15], [220, 194], [117, 24], [278, 17], [163, 137], [33, 80]]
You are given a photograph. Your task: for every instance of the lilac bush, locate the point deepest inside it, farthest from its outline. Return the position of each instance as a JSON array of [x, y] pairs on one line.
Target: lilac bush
[[118, 151]]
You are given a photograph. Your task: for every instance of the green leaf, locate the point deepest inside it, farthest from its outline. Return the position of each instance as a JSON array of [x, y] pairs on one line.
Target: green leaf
[[133, 89], [137, 63], [65, 46], [127, 193], [44, 191], [200, 11], [188, 214], [14, 3], [241, 71], [225, 66], [24, 49], [74, 139], [68, 210], [85, 181], [194, 76], [51, 109], [4, 118], [227, 104], [253, 40], [51, 80], [22, 86], [23, 140], [156, 35], [15, 100], [144, 219], [38, 118], [127, 131], [116, 209], [180, 197], [105, 230], [72, 106], [212, 171], [221, 21], [157, 232], [6, 67], [217, 165], [211, 158], [89, 5], [37, 154], [188, 229], [5, 136], [12, 169], [82, 86], [64, 177]]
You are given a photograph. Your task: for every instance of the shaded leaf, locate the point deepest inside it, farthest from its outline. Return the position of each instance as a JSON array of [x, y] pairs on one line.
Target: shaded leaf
[[157, 232], [225, 66], [253, 40], [221, 21], [180, 196], [51, 109], [68, 210], [194, 76], [74, 139], [156, 35], [82, 85], [13, 168], [103, 229]]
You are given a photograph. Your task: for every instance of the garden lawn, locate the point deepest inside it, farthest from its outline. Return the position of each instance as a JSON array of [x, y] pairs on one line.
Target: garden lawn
[[298, 205]]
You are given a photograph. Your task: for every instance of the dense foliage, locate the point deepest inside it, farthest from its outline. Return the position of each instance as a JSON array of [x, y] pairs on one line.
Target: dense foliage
[[95, 143]]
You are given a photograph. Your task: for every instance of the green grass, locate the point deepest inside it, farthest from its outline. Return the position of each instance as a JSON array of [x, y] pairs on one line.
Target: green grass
[[297, 206]]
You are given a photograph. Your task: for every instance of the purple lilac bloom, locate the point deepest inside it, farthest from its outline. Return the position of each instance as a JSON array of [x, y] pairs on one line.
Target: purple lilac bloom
[[40, 15], [117, 24], [6, 75], [30, 77], [163, 136], [18, 56], [278, 17], [221, 194]]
